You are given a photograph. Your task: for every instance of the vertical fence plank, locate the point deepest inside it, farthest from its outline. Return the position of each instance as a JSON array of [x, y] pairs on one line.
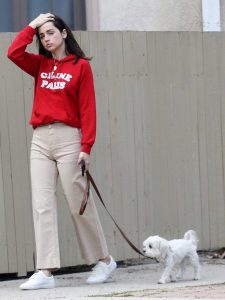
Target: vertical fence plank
[[3, 230], [6, 161], [19, 164], [106, 164], [3, 226], [213, 126], [135, 73]]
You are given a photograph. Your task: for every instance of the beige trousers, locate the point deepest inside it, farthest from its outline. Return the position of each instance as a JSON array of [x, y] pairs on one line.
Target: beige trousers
[[54, 151]]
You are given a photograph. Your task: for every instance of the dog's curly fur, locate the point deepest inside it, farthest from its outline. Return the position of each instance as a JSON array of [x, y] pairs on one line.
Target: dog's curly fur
[[176, 255]]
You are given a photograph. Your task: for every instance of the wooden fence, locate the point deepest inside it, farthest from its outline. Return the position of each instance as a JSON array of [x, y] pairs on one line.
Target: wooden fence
[[159, 154]]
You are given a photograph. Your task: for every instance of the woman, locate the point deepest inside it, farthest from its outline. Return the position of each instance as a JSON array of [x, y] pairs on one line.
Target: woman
[[64, 122]]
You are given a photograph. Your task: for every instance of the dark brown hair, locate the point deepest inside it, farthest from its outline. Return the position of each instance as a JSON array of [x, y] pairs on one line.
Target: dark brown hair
[[72, 47]]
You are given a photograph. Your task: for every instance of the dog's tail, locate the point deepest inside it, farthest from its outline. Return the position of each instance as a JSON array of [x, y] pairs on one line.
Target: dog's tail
[[192, 236]]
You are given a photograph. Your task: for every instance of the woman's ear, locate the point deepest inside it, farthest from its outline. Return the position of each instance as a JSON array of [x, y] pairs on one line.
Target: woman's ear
[[64, 33]]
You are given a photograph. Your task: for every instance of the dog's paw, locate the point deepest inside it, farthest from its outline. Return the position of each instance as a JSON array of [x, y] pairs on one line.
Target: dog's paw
[[197, 277], [162, 280]]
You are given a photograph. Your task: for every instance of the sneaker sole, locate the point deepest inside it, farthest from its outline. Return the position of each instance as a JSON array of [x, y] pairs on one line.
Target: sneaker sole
[[37, 288]]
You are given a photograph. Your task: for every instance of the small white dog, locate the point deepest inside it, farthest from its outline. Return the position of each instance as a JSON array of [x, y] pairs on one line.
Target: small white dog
[[174, 254]]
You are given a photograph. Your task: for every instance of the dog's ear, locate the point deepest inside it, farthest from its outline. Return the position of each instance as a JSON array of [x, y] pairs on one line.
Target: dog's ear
[[163, 247]]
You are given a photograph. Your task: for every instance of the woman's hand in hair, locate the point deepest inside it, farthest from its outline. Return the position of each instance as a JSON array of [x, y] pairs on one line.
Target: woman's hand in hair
[[41, 19]]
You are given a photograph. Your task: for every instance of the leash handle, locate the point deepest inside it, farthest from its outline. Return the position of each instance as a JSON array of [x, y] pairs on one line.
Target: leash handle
[[83, 166], [84, 204], [87, 189]]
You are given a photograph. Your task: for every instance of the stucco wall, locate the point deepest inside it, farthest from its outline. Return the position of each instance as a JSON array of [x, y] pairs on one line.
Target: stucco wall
[[152, 15]]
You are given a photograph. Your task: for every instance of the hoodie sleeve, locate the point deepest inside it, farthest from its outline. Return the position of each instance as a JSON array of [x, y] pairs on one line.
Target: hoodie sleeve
[[87, 108], [28, 62]]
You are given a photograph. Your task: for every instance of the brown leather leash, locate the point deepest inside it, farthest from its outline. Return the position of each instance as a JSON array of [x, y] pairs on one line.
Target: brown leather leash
[[90, 181]]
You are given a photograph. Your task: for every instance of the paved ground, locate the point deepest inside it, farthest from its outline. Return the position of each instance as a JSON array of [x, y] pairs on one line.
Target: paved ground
[[136, 282]]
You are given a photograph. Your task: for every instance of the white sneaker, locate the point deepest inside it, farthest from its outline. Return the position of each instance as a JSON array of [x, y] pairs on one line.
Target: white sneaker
[[100, 273], [38, 281]]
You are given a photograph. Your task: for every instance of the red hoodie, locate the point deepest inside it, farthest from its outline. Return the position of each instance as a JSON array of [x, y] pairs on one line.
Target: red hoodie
[[66, 95]]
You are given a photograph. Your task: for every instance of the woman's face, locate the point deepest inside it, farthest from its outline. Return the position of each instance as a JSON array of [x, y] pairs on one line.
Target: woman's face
[[51, 38]]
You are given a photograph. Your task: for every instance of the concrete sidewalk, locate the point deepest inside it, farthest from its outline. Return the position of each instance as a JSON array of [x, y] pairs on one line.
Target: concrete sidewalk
[[138, 282]]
